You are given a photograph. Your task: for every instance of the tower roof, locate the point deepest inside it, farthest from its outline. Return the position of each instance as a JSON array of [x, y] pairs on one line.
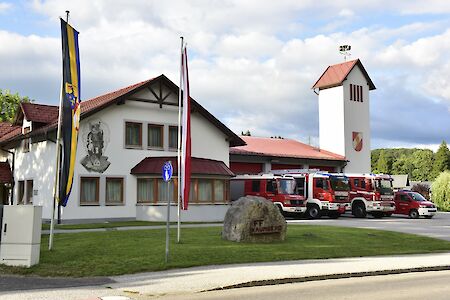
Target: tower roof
[[336, 74]]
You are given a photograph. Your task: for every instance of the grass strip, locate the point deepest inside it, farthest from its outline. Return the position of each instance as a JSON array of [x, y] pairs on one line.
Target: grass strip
[[114, 225], [124, 252]]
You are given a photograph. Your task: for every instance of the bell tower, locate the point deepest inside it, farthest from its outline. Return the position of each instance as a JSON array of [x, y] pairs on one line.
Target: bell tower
[[344, 117]]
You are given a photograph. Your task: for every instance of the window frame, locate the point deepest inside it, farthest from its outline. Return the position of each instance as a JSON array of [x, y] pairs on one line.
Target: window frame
[[127, 146], [155, 190], [168, 140], [27, 141], [122, 187], [28, 191], [97, 179], [161, 127], [20, 192]]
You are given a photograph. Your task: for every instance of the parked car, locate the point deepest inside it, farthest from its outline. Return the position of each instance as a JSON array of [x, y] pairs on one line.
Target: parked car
[[414, 205]]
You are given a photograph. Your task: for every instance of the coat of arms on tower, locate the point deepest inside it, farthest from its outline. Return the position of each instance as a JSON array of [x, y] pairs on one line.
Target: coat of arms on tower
[[357, 138], [95, 141]]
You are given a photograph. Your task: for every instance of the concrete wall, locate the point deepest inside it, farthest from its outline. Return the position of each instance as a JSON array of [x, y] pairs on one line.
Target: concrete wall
[[331, 120], [339, 117], [357, 119]]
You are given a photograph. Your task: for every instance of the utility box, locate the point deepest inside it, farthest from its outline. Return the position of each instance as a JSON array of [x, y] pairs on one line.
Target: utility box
[[21, 235]]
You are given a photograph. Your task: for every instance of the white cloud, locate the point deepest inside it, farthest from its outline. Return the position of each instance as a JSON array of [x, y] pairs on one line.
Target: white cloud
[[250, 64], [5, 6]]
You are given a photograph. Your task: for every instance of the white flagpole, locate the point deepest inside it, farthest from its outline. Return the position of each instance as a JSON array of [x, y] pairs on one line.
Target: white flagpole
[[179, 146]]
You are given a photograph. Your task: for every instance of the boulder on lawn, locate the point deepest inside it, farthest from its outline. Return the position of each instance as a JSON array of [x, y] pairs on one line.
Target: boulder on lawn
[[254, 219]]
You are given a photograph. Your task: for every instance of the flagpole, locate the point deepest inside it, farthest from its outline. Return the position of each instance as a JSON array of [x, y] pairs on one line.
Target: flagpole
[[179, 146], [58, 158]]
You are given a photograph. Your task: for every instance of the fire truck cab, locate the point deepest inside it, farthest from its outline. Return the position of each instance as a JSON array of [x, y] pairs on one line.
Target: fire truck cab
[[325, 193], [281, 191], [371, 194]]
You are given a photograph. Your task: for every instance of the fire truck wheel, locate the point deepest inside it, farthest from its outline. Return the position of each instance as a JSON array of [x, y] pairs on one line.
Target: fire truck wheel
[[313, 211], [413, 214], [334, 215], [359, 210]]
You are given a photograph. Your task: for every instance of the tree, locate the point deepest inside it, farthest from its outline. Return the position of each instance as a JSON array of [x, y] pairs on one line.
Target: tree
[[422, 189], [440, 191], [422, 160], [441, 160], [402, 165], [382, 164], [9, 104]]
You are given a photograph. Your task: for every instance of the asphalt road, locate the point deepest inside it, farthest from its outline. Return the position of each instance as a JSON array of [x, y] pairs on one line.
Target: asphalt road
[[437, 227], [410, 286]]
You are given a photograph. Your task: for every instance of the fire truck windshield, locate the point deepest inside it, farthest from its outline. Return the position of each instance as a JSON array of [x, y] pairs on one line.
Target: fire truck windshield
[[286, 186], [339, 183], [384, 186]]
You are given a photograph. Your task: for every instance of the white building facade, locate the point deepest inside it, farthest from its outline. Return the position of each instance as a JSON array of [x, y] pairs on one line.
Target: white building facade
[[119, 131], [344, 116]]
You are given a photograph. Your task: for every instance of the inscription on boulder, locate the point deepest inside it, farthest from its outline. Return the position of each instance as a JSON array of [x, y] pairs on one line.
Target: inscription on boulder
[[254, 219]]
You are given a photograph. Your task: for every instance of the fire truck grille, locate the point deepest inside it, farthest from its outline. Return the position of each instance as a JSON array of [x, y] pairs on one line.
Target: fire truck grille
[[340, 198], [296, 202]]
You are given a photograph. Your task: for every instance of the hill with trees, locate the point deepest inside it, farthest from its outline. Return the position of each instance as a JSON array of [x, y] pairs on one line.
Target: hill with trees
[[419, 164]]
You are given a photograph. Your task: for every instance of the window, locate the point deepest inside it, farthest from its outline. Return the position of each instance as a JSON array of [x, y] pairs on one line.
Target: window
[[356, 182], [20, 192], [173, 137], [256, 185], [114, 191], [404, 198], [26, 142], [133, 135], [321, 183], [271, 186], [356, 93], [89, 191], [205, 190], [155, 136], [162, 191], [29, 189], [363, 184], [146, 190], [219, 191]]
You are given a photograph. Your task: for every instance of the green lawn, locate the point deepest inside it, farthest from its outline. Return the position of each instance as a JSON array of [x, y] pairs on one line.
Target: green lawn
[[111, 225], [121, 252]]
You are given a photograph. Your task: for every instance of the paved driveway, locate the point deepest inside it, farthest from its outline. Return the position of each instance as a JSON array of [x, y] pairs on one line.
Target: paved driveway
[[438, 227]]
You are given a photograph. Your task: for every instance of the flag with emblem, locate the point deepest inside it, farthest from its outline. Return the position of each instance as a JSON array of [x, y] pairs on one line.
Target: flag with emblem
[[357, 140], [70, 110]]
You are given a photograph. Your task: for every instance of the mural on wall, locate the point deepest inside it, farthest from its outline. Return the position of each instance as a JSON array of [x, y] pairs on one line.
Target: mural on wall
[[95, 140]]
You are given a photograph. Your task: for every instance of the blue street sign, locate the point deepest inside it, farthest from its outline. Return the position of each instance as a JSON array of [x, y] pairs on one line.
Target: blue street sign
[[167, 171]]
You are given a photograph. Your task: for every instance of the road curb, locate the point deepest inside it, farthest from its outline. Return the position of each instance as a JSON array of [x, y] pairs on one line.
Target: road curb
[[268, 282]]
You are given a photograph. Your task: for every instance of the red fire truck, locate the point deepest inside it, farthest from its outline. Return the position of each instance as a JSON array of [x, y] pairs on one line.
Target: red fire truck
[[326, 193], [371, 194], [279, 190]]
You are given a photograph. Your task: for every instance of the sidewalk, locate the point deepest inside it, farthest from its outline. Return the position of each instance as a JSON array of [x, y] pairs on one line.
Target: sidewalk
[[198, 279]]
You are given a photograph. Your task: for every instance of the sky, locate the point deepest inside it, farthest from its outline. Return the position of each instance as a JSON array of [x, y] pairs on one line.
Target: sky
[[252, 63]]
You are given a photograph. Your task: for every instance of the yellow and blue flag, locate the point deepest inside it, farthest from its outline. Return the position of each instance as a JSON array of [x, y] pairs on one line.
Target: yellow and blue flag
[[70, 110]]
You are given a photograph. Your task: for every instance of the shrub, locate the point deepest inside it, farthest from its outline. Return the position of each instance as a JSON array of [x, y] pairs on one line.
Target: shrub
[[440, 191]]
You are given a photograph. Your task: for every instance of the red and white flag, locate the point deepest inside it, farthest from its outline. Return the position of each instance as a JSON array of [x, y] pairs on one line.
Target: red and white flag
[[186, 134]]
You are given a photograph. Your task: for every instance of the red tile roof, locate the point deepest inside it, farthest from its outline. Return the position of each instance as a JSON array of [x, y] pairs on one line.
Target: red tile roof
[[8, 131], [258, 146], [199, 166], [336, 74], [93, 105], [5, 173], [39, 112]]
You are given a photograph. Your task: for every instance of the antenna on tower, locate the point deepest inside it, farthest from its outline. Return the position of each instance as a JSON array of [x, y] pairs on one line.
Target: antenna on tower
[[345, 50]]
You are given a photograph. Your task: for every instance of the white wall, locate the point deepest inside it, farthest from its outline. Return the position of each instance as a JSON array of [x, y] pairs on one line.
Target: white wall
[[331, 120], [357, 118], [195, 213], [38, 165], [207, 142]]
